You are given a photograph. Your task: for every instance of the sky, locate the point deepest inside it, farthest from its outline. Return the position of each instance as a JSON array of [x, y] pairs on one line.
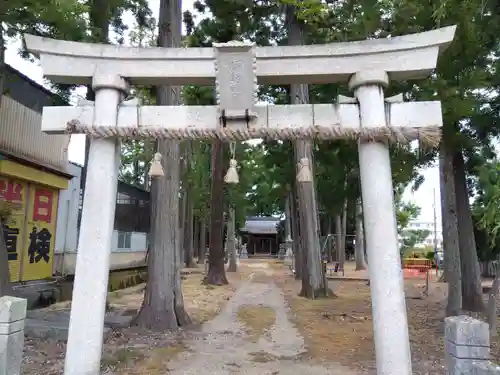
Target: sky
[[424, 197]]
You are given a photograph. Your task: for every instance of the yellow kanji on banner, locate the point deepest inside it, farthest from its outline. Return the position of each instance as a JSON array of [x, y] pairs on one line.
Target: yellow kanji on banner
[[15, 191]]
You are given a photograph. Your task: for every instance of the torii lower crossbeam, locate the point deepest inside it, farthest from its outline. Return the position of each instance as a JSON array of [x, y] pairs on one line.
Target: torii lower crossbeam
[[405, 122]]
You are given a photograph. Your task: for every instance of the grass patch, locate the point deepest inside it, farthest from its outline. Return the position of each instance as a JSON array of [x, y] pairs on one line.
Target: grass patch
[[129, 361], [204, 302], [257, 319], [262, 357], [336, 328], [122, 358]]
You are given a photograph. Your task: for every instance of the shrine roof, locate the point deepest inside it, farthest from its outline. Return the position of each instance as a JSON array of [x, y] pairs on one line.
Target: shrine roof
[[261, 225]]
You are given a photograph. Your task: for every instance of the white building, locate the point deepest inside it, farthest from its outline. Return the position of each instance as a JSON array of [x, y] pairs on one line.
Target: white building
[[128, 248], [435, 232]]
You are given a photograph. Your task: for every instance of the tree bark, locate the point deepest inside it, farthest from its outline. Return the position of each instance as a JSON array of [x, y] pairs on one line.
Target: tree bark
[[288, 219], [5, 285], [338, 241], [492, 306], [450, 231], [3, 69], [182, 220], [196, 237], [203, 241], [163, 305], [360, 239], [231, 241], [472, 291], [216, 272], [313, 281], [187, 219], [188, 234], [344, 228], [297, 243]]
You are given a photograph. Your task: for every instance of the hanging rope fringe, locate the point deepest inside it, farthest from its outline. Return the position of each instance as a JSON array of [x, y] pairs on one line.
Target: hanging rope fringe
[[429, 135], [156, 170], [231, 176], [304, 171]]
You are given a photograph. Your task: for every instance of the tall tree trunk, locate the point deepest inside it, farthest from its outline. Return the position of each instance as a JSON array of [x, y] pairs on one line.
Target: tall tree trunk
[[451, 251], [472, 291], [184, 216], [297, 243], [163, 305], [344, 226], [340, 250], [360, 239], [492, 306], [5, 286], [196, 237], [231, 241], [313, 281], [288, 219], [203, 241], [149, 146], [3, 68], [188, 234], [329, 245], [187, 220], [216, 272]]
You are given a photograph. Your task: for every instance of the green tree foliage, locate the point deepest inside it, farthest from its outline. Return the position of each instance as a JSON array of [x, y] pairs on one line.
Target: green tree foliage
[[486, 210], [411, 238], [64, 19]]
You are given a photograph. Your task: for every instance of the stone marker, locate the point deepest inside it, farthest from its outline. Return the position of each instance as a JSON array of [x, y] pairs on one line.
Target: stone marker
[[12, 316], [483, 368], [244, 253], [467, 345], [367, 66]]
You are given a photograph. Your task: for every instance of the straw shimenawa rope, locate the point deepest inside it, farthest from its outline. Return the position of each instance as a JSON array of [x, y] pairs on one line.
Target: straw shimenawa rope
[[429, 135]]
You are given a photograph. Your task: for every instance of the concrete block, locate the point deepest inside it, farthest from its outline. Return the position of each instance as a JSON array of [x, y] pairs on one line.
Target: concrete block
[[12, 309], [117, 321], [464, 330], [51, 329], [458, 366], [12, 316], [467, 351], [484, 368], [467, 346]]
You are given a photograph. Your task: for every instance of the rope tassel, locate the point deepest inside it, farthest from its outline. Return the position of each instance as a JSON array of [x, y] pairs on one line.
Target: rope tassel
[[304, 171], [231, 176], [156, 170]]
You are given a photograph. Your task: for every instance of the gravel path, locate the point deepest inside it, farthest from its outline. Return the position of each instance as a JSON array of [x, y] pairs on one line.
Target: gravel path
[[225, 348]]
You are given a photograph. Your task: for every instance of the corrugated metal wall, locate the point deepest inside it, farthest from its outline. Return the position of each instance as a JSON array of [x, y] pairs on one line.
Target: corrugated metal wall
[[20, 134]]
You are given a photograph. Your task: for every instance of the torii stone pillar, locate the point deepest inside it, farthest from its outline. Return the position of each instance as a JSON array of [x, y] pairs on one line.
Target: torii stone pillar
[[390, 326], [90, 287]]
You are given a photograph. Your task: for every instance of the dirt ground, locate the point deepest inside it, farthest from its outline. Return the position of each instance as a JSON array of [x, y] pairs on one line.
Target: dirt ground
[[132, 348], [341, 327], [335, 330]]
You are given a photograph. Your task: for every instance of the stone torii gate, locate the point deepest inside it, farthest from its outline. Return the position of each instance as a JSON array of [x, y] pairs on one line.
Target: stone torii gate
[[236, 68]]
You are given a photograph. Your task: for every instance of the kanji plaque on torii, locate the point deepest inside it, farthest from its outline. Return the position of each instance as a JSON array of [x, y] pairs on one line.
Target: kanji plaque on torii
[[236, 68]]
